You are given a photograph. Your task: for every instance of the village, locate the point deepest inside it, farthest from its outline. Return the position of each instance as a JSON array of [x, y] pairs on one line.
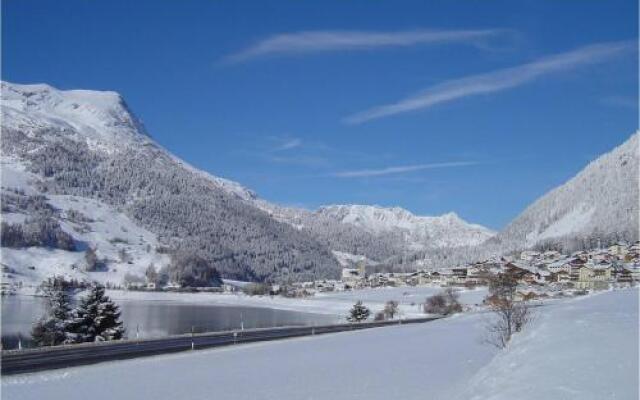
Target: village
[[537, 273]]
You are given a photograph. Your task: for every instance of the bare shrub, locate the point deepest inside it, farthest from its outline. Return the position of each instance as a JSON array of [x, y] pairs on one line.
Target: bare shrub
[[510, 316], [379, 316], [390, 309], [443, 303], [257, 289]]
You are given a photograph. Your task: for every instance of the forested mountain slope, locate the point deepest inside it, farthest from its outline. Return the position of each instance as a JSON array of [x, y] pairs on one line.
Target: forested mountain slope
[[599, 203], [88, 144]]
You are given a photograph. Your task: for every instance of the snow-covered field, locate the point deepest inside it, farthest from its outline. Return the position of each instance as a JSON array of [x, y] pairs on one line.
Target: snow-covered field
[[335, 303], [584, 348], [581, 348]]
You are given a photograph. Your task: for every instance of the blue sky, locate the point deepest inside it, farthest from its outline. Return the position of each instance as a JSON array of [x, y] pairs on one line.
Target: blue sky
[[477, 107]]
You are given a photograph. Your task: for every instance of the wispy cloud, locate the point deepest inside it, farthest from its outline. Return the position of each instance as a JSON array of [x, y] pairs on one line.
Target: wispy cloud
[[322, 41], [305, 160], [621, 101], [496, 81], [288, 144], [401, 169]]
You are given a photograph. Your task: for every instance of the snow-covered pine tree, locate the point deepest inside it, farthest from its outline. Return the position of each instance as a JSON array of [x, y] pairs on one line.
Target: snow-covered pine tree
[[108, 324], [358, 313], [96, 318], [51, 329]]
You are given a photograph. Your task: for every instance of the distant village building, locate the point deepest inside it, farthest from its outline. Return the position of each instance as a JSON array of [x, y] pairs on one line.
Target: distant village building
[[529, 255], [594, 277], [618, 249], [562, 265]]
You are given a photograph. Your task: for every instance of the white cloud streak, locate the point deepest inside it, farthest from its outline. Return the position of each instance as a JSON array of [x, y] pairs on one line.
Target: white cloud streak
[[289, 144], [621, 101], [363, 173], [323, 41], [496, 81]]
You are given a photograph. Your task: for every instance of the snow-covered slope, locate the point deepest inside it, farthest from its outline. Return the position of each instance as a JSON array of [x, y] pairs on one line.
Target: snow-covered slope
[[600, 202], [418, 232], [584, 349], [102, 118], [89, 146]]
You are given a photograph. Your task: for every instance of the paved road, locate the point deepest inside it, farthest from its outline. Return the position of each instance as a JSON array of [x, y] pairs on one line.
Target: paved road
[[30, 360]]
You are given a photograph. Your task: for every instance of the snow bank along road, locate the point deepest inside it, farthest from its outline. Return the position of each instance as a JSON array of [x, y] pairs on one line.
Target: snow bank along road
[[584, 348], [21, 361]]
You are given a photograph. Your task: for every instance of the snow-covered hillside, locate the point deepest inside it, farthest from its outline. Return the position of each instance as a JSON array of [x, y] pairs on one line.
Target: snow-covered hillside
[[88, 146], [418, 232], [596, 207], [584, 349], [102, 118], [601, 202]]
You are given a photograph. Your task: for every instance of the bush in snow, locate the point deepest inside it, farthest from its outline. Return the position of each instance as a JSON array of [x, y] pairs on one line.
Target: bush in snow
[[444, 303], [257, 289], [390, 309], [359, 312], [96, 318]]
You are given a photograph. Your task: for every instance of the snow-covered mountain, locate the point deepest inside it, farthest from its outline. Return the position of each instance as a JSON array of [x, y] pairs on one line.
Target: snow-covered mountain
[[101, 118], [601, 202], [82, 152], [596, 207], [417, 232], [78, 164], [71, 158]]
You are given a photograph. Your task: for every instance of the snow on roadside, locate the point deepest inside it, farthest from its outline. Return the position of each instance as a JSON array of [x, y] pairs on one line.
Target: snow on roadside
[[584, 348], [400, 362]]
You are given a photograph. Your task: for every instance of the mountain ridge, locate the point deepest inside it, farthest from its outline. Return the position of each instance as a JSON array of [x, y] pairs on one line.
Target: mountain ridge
[[88, 144]]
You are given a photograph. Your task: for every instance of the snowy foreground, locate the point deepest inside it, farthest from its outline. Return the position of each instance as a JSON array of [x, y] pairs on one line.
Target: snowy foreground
[[581, 348]]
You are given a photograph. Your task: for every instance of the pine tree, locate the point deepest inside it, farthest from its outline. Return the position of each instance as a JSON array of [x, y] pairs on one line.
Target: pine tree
[[108, 324], [51, 329], [358, 313], [96, 318]]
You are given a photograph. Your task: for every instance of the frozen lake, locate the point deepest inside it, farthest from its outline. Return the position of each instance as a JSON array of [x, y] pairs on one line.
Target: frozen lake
[[157, 318]]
